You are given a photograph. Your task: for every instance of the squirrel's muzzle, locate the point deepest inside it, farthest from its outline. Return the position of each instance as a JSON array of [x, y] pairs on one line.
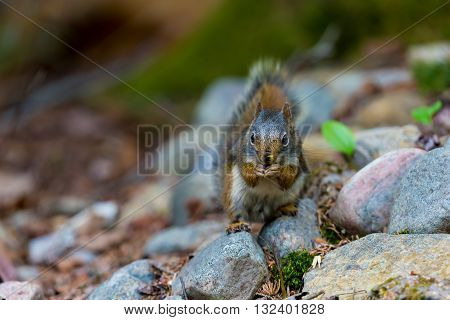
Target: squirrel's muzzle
[[268, 159]]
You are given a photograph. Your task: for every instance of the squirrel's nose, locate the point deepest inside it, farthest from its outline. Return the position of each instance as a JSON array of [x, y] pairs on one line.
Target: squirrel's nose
[[267, 160]]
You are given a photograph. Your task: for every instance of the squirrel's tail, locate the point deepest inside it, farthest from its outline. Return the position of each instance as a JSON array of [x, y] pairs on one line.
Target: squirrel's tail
[[268, 84]]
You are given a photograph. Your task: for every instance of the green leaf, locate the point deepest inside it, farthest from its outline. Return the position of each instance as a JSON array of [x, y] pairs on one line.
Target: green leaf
[[425, 114], [339, 136]]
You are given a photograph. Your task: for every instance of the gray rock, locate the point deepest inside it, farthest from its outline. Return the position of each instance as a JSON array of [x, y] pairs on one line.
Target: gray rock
[[194, 194], [184, 239], [287, 234], [174, 298], [365, 263], [388, 109], [124, 283], [150, 198], [27, 273], [422, 203], [49, 248], [16, 290], [106, 212], [216, 104], [14, 187], [412, 287], [231, 267], [373, 143], [364, 203], [315, 108]]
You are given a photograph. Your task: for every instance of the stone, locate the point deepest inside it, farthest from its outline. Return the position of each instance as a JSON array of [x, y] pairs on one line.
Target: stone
[[124, 283], [389, 109], [49, 248], [351, 271], [373, 143], [105, 213], [14, 187], [231, 267], [27, 273], [184, 239], [412, 287], [288, 234], [195, 194], [16, 290], [66, 205], [216, 104], [364, 203], [151, 198], [315, 108], [422, 202]]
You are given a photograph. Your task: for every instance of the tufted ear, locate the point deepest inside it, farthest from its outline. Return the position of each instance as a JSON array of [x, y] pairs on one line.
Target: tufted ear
[[258, 108], [287, 110]]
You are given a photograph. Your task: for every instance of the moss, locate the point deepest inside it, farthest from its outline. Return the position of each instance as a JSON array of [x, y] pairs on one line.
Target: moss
[[432, 77], [329, 234], [403, 231], [294, 266], [413, 287], [241, 31]]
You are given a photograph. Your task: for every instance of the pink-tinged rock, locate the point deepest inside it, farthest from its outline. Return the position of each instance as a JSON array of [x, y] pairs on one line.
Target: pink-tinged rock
[[364, 203], [16, 290]]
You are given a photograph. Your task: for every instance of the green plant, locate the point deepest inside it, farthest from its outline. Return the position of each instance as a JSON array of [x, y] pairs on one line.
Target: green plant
[[424, 114], [339, 136], [432, 76], [294, 266]]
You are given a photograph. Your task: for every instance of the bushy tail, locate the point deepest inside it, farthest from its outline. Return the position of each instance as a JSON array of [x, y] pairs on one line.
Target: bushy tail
[[264, 73]]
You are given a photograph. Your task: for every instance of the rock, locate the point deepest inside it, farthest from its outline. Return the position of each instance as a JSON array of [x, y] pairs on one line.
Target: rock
[[195, 194], [231, 267], [27, 273], [16, 290], [412, 287], [124, 283], [287, 234], [318, 151], [151, 198], [66, 205], [49, 248], [364, 203], [184, 239], [215, 106], [438, 52], [389, 109], [365, 263], [103, 213], [174, 298], [373, 143], [14, 187], [422, 203], [316, 108]]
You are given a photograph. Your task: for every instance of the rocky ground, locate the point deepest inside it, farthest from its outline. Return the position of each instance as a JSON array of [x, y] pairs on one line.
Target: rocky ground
[[373, 226]]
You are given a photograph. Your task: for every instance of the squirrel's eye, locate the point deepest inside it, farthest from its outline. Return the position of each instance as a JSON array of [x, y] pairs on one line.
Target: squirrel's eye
[[252, 138], [285, 140]]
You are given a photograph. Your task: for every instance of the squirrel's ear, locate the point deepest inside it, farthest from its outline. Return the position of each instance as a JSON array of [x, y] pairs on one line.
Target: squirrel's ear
[[287, 110], [258, 108]]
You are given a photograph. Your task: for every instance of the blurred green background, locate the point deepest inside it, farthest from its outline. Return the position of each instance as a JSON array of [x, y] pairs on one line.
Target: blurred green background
[[171, 50]]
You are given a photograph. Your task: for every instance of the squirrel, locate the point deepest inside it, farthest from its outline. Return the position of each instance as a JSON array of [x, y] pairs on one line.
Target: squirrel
[[261, 156]]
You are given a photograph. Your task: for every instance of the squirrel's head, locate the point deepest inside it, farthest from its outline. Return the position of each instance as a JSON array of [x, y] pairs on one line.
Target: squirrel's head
[[271, 134]]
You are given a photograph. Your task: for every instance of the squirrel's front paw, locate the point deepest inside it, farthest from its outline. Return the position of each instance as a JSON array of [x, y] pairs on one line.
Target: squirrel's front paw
[[259, 170], [273, 170], [237, 227]]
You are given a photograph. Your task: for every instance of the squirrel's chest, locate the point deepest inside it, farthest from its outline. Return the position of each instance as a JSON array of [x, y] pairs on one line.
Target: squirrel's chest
[[261, 201]]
